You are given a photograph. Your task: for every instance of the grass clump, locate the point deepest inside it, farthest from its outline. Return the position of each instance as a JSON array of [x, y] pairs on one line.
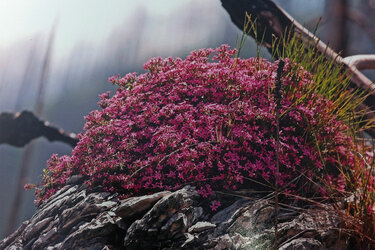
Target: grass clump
[[354, 187]]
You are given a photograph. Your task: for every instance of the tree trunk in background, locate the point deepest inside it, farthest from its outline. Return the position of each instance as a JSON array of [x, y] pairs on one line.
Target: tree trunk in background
[[337, 33], [29, 149]]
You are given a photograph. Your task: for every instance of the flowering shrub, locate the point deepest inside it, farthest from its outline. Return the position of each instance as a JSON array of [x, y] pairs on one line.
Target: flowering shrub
[[207, 122]]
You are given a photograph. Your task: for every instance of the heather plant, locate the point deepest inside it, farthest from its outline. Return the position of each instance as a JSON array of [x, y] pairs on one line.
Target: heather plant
[[207, 121]]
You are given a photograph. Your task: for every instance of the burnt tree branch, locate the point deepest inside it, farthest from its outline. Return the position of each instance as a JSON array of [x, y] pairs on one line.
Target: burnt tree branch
[[20, 128]]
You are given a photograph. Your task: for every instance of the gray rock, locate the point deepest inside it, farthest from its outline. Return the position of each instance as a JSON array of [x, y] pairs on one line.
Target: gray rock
[[168, 219], [302, 244], [189, 239], [201, 226], [75, 218], [135, 205]]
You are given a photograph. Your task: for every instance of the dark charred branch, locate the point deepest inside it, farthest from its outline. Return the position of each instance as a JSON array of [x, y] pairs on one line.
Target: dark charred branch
[[270, 21], [20, 128]]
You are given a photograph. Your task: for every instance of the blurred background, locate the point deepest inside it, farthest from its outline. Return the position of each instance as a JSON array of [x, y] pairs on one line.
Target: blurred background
[[56, 57]]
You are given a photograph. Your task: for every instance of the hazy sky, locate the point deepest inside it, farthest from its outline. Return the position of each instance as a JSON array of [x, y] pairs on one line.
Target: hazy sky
[[87, 30], [80, 21], [90, 32], [77, 21]]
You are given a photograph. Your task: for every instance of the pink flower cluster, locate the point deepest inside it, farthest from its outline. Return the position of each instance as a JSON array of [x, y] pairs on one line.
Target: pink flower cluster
[[204, 121]]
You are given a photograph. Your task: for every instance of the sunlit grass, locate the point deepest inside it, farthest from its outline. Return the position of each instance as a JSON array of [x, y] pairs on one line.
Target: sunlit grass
[[332, 82]]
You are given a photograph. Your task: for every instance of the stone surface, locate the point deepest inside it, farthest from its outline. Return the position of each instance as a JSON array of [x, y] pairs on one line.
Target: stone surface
[[201, 226], [77, 219]]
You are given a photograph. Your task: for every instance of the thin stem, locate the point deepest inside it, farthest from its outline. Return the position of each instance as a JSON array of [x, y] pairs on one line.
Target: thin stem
[[277, 109]]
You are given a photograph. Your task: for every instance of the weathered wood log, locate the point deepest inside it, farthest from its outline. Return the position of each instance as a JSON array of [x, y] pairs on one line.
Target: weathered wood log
[[18, 129], [361, 62]]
